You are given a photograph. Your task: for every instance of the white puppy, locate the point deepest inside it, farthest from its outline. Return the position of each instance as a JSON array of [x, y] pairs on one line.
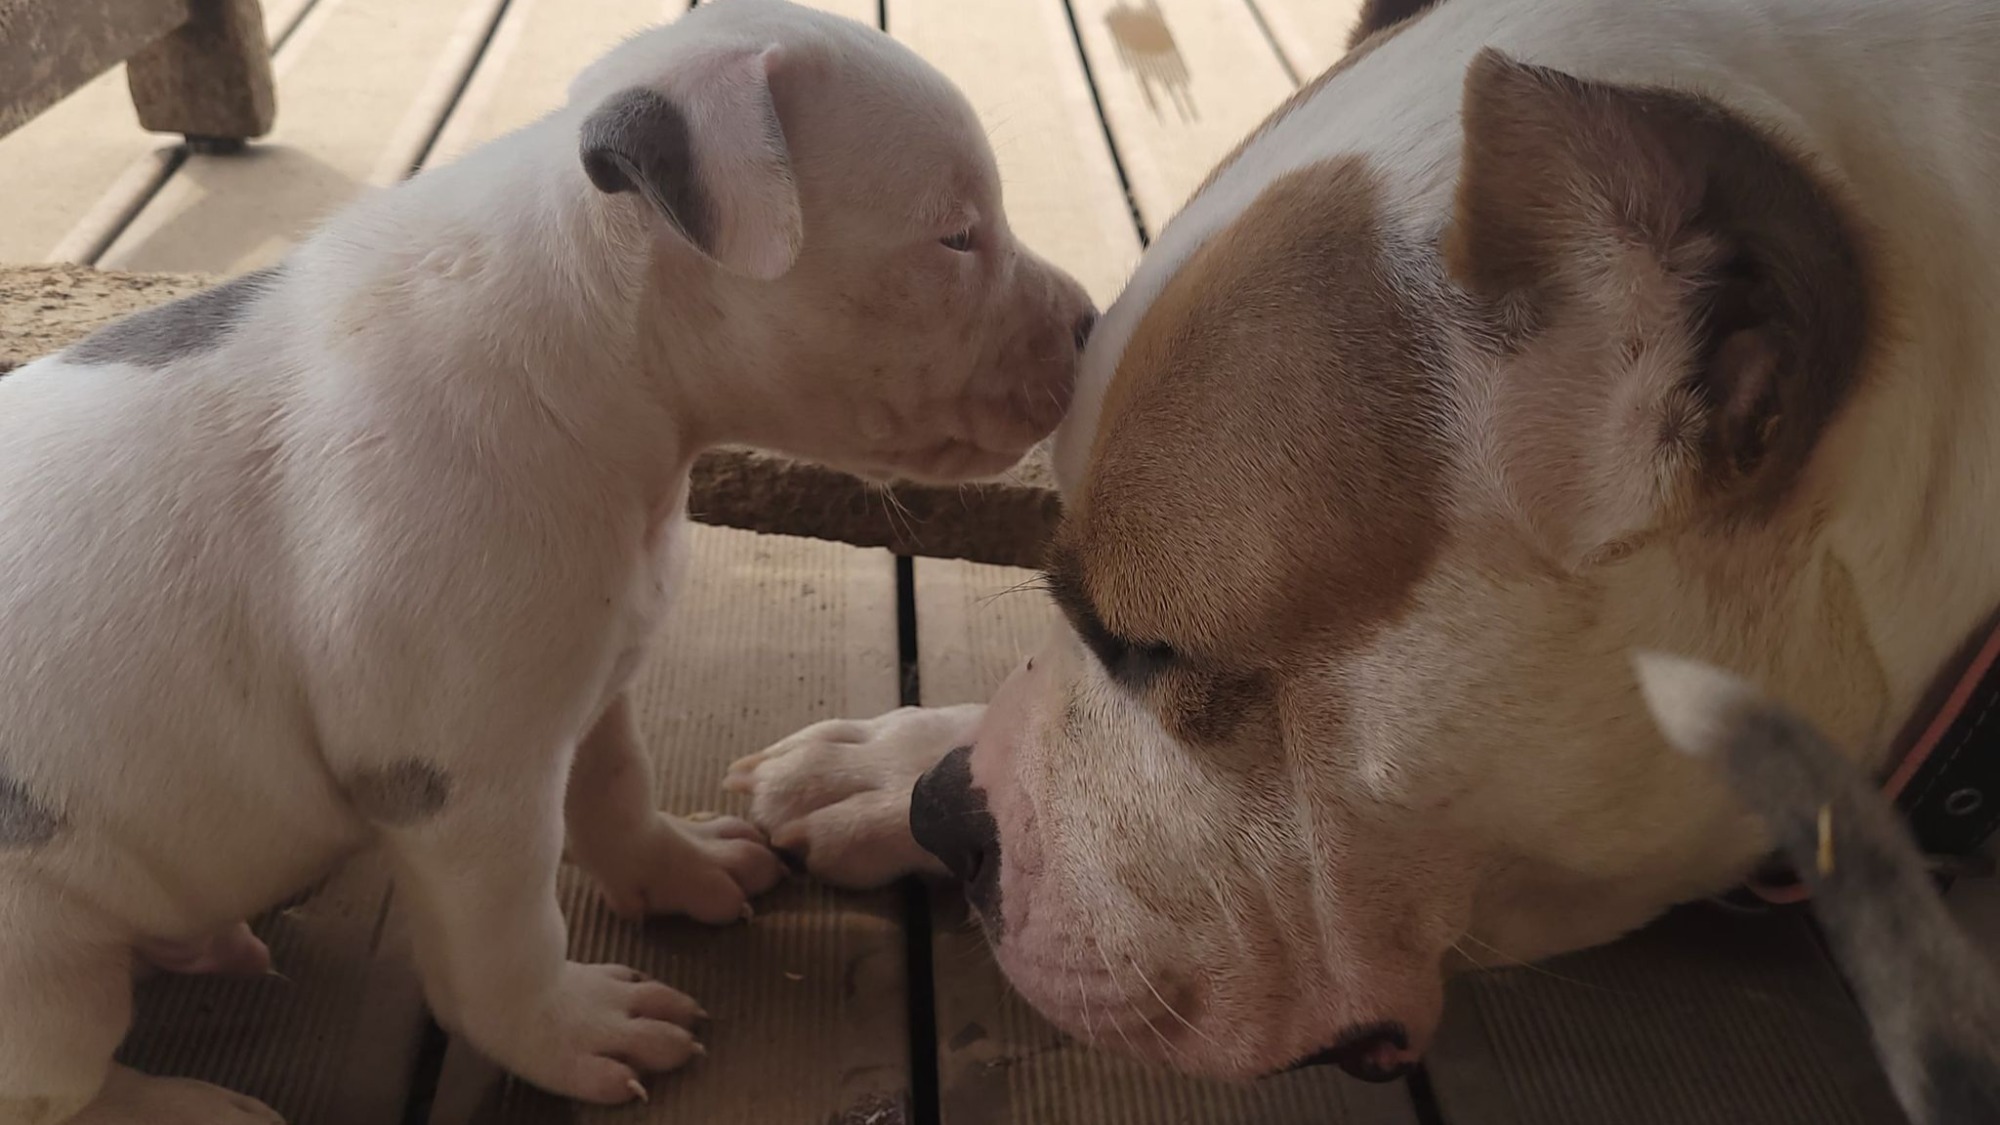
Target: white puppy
[[363, 548]]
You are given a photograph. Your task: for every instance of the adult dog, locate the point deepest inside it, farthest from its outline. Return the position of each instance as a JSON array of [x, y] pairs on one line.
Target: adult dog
[[1533, 332]]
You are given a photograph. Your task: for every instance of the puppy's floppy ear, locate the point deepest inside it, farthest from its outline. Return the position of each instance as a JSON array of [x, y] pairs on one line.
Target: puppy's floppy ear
[[1678, 292], [708, 152]]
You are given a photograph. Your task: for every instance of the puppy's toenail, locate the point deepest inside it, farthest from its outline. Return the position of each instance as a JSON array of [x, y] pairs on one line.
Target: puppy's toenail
[[638, 1091]]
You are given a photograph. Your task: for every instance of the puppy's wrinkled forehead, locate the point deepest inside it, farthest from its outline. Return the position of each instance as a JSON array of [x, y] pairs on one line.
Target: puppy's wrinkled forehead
[[1268, 463]]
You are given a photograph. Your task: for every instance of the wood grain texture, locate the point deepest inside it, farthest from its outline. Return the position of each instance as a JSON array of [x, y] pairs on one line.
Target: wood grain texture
[[1310, 34], [211, 78], [366, 84], [79, 169], [332, 1041], [1709, 1015], [1181, 81], [49, 48]]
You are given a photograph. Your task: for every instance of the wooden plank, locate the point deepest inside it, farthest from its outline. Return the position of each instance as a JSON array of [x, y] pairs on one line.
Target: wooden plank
[[1312, 34], [862, 10], [87, 164], [333, 1041], [211, 80], [49, 48], [1018, 65], [539, 46], [810, 999], [998, 1062], [1181, 81], [366, 84], [1710, 1015]]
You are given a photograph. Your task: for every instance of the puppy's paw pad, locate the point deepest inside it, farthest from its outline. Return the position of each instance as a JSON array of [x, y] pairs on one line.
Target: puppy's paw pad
[[600, 1030], [707, 870]]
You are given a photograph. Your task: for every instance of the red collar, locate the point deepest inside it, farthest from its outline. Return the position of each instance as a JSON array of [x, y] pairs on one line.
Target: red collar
[[1947, 780]]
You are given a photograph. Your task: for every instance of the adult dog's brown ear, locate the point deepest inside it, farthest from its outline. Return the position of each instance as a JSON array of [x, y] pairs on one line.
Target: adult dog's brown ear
[[1931, 998], [1679, 303], [1380, 15]]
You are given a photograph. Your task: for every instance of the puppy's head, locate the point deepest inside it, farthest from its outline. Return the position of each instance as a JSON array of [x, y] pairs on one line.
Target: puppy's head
[[1367, 496], [1930, 997], [827, 229]]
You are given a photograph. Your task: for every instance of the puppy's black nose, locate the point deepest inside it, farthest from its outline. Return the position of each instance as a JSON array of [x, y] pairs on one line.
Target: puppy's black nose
[[950, 820], [1084, 324]]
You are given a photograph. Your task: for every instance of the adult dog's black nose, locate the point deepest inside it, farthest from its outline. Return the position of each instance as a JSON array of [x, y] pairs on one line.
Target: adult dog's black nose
[[950, 820]]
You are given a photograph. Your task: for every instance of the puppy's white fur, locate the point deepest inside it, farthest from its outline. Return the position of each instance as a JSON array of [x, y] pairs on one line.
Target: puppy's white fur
[[364, 549]]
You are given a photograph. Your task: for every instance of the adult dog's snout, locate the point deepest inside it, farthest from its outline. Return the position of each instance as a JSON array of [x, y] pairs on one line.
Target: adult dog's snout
[[950, 820]]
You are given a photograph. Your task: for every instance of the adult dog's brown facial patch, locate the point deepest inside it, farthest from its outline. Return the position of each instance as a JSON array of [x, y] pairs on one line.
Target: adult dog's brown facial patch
[[1267, 471]]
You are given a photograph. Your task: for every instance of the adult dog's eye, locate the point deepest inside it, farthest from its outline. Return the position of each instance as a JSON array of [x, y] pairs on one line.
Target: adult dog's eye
[[961, 242], [1129, 662]]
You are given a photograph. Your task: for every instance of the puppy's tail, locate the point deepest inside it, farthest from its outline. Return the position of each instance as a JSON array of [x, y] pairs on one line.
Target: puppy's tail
[[1930, 997]]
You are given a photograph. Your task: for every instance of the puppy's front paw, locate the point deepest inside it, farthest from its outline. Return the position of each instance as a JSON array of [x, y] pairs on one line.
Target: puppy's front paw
[[837, 794], [597, 1031], [132, 1098], [706, 869]]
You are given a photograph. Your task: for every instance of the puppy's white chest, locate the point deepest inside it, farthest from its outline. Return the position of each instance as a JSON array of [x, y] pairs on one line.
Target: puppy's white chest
[[649, 596]]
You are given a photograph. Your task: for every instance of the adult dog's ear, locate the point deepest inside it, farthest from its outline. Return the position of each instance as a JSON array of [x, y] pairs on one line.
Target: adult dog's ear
[[1682, 303], [708, 152]]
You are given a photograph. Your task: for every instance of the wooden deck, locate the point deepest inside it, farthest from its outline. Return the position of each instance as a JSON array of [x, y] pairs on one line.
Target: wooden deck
[[863, 1010]]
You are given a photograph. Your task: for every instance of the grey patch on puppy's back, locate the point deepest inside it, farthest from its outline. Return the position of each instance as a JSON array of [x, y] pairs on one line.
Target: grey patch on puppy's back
[[400, 794], [155, 337], [24, 821]]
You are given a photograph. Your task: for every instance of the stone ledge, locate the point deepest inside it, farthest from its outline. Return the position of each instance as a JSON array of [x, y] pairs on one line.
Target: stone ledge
[[44, 308]]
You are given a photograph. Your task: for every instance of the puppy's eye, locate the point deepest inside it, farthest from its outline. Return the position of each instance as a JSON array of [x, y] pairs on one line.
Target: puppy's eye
[[961, 242]]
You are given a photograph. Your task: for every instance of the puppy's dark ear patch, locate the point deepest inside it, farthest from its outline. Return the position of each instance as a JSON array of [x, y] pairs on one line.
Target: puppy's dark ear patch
[[638, 141], [1380, 15]]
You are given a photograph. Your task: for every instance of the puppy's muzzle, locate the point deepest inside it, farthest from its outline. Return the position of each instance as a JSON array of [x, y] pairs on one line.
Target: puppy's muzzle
[[949, 818]]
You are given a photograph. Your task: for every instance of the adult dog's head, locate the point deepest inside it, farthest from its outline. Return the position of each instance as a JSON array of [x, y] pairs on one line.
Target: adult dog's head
[[1457, 382]]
